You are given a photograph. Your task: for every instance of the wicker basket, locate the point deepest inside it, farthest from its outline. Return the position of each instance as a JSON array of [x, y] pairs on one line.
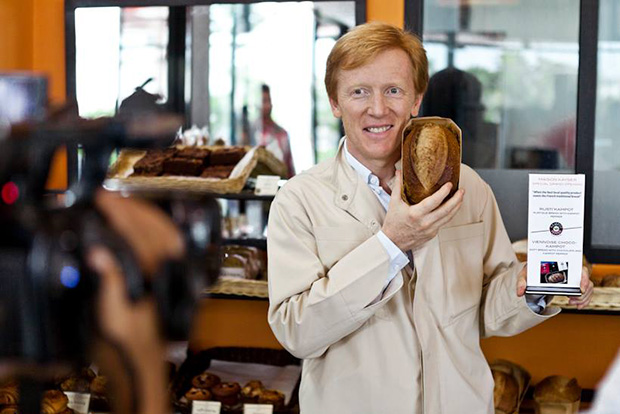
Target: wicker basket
[[119, 176], [197, 363], [603, 298], [556, 408], [227, 285]]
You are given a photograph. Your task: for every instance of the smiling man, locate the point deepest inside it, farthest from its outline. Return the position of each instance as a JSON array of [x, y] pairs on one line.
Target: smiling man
[[386, 302]]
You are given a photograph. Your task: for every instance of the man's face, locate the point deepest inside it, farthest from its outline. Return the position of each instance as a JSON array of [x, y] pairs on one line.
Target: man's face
[[375, 101]]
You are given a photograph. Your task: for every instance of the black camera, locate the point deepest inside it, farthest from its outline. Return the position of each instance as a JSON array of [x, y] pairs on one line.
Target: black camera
[[47, 293]]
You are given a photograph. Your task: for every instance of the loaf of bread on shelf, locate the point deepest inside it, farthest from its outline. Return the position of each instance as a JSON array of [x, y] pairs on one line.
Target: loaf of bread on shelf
[[557, 389], [611, 281], [505, 392], [431, 157], [520, 374]]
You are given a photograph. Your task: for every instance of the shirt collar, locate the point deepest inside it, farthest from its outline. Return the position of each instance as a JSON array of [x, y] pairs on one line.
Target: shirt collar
[[360, 168]]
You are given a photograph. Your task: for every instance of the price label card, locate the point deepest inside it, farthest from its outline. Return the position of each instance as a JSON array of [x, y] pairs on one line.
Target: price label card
[[266, 185], [555, 233], [257, 409], [78, 401], [206, 407]]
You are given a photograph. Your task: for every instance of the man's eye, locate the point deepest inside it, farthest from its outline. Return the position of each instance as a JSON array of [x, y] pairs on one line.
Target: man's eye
[[358, 92], [394, 91]]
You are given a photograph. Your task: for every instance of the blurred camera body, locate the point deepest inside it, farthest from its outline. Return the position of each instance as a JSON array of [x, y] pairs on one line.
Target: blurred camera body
[[47, 293]]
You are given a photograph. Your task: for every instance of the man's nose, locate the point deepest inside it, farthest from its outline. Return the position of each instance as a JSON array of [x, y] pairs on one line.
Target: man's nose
[[378, 105]]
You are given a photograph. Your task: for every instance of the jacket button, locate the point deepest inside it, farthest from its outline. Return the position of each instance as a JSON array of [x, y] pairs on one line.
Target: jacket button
[[345, 197]]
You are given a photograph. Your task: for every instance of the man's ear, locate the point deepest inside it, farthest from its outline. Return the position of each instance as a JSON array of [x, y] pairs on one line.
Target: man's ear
[[335, 108], [416, 105]]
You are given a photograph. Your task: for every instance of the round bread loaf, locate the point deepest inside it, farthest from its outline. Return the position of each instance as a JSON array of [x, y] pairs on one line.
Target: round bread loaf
[[505, 392], [431, 157], [558, 389]]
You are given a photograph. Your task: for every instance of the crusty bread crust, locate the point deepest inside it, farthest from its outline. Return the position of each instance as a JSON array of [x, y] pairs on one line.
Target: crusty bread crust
[[431, 157]]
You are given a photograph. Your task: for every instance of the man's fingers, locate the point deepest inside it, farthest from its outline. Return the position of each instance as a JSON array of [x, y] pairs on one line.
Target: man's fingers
[[522, 281], [444, 213], [433, 201], [585, 279]]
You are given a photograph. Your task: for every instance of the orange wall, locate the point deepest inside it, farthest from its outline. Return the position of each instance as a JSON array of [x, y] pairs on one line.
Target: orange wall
[[388, 11], [32, 39], [16, 27]]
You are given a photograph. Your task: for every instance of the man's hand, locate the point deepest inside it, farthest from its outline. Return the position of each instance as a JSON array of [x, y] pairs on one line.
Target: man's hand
[[586, 285], [587, 289], [410, 227], [131, 347]]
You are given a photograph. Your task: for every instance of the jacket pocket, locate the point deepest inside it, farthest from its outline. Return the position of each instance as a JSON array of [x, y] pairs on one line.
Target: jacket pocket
[[462, 256], [333, 243]]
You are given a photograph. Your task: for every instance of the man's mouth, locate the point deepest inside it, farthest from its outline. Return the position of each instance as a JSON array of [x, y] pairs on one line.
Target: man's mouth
[[378, 129]]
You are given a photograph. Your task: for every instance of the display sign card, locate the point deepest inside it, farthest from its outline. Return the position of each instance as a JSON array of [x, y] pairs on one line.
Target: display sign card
[[78, 401], [206, 407], [267, 184], [555, 233], [257, 409]]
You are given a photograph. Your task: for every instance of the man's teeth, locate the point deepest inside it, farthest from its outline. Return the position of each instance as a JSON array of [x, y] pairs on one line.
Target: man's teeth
[[377, 130]]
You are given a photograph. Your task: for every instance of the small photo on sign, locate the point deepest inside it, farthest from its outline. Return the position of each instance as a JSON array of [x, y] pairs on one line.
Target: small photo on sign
[[554, 272]]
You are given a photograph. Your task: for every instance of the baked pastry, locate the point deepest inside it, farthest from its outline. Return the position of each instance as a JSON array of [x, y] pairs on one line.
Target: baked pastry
[[505, 392], [557, 389], [199, 153], [227, 393], [205, 380], [431, 157], [251, 391], [183, 166], [217, 171], [9, 409], [54, 402], [273, 397], [99, 385], [234, 264], [76, 384], [227, 156], [611, 281], [249, 252], [9, 393], [152, 163], [198, 394]]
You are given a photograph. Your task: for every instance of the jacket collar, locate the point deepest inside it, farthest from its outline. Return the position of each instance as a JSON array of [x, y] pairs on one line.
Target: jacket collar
[[353, 194]]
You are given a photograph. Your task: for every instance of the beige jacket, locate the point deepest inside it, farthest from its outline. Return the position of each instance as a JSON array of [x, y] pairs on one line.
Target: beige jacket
[[416, 350]]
